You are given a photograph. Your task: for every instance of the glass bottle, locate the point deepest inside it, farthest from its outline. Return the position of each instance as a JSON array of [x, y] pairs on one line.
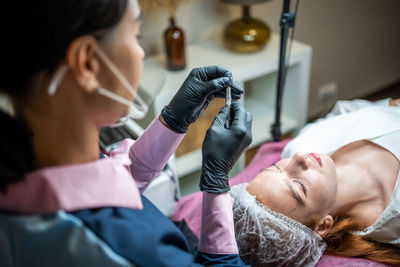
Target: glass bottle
[[174, 46], [247, 34]]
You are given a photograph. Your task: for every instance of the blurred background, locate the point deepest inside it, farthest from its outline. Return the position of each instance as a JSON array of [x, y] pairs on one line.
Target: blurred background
[[356, 44]]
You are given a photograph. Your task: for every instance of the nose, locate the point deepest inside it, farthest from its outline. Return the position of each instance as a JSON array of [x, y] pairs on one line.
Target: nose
[[141, 52], [298, 162]]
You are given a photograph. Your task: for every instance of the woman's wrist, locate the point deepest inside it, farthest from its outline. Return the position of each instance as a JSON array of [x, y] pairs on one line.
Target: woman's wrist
[[161, 118]]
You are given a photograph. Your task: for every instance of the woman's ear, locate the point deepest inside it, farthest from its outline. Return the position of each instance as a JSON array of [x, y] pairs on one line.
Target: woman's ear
[[82, 62], [324, 225]]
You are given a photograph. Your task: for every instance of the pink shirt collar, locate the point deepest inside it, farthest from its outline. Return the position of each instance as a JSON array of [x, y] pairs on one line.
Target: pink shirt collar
[[102, 183]]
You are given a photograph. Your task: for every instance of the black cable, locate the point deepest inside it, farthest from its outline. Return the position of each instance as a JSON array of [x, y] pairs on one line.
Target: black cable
[[287, 21], [289, 52]]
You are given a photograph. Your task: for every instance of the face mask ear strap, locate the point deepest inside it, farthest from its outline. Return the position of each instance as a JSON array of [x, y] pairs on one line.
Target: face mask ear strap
[[120, 122], [57, 78], [120, 77], [113, 96]]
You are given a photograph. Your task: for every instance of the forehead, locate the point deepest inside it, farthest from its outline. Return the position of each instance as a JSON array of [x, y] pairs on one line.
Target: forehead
[[271, 190]]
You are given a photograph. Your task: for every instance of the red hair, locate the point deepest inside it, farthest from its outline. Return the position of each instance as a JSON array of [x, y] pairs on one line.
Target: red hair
[[341, 242]]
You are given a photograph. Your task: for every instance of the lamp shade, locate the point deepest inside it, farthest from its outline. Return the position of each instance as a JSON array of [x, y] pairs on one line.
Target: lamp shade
[[243, 2]]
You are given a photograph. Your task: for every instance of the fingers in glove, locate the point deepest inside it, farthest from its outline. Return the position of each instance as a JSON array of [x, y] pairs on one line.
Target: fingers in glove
[[217, 79], [217, 86], [239, 115], [206, 74], [241, 121], [236, 92], [210, 80], [221, 117], [214, 72]]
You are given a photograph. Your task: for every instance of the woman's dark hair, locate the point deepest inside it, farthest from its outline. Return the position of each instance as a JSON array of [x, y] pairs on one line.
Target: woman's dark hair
[[35, 36], [40, 31]]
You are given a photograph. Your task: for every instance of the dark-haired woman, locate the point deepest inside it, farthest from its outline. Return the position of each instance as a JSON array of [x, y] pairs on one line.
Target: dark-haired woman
[[69, 68]]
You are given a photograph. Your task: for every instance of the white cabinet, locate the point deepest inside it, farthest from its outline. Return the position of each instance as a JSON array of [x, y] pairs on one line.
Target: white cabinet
[[257, 72]]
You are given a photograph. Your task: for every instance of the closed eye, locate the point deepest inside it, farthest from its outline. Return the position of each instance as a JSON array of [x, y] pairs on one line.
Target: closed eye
[[294, 193], [302, 186]]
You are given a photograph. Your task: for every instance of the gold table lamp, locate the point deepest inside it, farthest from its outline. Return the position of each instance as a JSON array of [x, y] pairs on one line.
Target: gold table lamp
[[246, 34]]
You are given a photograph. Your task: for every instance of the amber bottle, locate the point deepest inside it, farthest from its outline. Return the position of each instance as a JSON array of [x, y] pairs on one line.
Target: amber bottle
[[174, 46]]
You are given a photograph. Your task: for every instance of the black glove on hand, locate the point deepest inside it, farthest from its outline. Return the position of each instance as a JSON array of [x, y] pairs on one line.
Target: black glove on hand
[[200, 87], [223, 146]]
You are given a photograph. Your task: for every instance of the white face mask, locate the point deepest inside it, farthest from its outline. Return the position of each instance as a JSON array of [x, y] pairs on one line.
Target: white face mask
[[138, 107]]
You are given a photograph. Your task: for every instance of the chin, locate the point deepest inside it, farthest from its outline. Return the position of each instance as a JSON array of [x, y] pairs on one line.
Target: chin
[[327, 160], [124, 113]]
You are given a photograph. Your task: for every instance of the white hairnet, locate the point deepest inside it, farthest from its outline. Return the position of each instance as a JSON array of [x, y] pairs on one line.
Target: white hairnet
[[268, 238]]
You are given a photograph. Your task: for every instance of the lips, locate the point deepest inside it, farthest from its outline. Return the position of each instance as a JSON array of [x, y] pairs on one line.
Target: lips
[[317, 158]]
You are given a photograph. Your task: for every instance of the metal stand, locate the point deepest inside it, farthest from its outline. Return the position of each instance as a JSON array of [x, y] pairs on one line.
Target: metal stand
[[287, 21]]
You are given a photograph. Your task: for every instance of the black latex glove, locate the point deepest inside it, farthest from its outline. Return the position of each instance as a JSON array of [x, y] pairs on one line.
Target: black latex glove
[[223, 146], [200, 87]]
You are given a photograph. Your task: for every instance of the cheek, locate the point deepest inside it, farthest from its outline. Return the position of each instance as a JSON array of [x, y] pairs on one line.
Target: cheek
[[329, 167], [318, 183], [132, 56], [324, 188], [137, 62], [129, 58], [330, 177]]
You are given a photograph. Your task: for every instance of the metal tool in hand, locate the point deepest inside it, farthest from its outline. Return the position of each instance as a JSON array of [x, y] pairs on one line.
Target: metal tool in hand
[[228, 102]]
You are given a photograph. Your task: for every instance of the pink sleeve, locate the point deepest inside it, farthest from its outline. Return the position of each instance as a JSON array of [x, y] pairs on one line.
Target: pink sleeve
[[151, 151], [217, 235]]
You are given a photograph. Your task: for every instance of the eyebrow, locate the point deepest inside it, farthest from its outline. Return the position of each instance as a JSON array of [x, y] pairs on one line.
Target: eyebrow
[[268, 169], [276, 166], [295, 194]]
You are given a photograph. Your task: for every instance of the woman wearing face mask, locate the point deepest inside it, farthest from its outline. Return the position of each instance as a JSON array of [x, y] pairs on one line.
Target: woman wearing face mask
[[345, 198], [71, 67]]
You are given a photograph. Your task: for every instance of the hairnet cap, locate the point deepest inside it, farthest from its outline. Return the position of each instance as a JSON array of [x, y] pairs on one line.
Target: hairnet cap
[[268, 238]]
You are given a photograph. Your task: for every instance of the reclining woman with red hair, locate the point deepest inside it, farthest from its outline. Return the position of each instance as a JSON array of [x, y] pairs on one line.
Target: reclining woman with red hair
[[340, 193]]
